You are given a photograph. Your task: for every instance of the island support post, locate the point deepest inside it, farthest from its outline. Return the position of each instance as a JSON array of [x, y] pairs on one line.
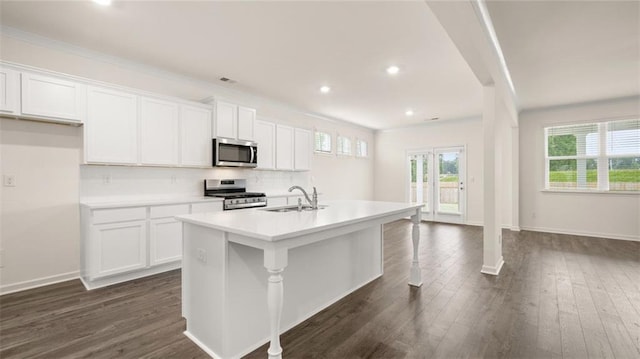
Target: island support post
[[415, 276], [275, 260]]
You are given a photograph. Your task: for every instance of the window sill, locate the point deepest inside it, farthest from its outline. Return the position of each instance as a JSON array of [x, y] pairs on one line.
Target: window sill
[[588, 191], [323, 153]]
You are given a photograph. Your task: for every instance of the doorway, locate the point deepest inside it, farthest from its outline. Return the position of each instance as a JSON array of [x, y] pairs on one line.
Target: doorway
[[437, 179]]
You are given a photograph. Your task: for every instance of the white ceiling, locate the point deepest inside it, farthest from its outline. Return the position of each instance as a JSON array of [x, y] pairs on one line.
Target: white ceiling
[[558, 52], [281, 50], [563, 52]]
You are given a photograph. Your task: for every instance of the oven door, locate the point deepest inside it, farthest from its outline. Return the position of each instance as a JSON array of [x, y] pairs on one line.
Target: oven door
[[233, 153]]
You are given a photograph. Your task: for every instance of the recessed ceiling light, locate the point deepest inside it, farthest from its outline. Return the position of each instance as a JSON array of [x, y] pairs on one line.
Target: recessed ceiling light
[[409, 113], [392, 70], [102, 2], [325, 89]]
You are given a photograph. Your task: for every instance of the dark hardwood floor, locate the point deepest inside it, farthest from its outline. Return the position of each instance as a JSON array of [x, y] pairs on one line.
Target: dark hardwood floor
[[557, 296]]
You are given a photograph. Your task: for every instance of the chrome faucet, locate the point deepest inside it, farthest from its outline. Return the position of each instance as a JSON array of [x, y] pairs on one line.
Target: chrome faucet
[[313, 202]]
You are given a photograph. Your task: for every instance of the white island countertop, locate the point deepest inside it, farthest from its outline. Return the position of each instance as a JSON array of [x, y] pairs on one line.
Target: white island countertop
[[275, 226]]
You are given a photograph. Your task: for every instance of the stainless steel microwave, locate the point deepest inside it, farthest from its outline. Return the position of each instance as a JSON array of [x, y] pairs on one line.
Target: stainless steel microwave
[[228, 152]]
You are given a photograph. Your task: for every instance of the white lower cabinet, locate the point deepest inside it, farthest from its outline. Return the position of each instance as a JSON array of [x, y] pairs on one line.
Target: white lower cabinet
[[121, 244], [165, 239], [118, 248]]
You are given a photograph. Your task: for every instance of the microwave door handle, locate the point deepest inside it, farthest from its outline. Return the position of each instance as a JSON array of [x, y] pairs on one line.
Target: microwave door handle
[[252, 154]]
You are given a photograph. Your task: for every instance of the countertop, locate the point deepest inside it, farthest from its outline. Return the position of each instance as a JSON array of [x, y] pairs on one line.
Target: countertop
[[274, 226], [118, 202]]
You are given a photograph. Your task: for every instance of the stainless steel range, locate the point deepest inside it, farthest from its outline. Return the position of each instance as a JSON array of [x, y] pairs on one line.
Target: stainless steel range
[[234, 192]]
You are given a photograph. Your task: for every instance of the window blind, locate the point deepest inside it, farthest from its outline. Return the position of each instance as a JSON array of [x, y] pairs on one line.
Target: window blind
[[322, 142]]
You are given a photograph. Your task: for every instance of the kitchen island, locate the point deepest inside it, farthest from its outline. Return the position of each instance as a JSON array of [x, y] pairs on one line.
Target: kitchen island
[[232, 305]]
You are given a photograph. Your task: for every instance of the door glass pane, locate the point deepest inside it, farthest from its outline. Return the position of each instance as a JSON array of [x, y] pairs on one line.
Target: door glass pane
[[419, 186], [448, 182]]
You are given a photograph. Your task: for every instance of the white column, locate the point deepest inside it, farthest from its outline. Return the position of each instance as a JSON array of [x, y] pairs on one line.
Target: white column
[[275, 260], [492, 235], [415, 276], [515, 178]]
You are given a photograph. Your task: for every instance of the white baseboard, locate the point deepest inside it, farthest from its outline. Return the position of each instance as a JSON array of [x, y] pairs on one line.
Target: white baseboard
[[582, 233], [201, 345], [39, 282], [493, 270]]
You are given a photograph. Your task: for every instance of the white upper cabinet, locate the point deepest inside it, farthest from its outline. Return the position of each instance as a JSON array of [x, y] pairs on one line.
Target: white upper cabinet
[[303, 142], [44, 96], [246, 119], [195, 133], [226, 120], [159, 132], [9, 91], [233, 121], [111, 130], [284, 147], [265, 136]]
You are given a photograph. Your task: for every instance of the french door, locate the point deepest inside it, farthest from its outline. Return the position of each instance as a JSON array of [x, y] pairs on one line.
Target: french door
[[436, 178]]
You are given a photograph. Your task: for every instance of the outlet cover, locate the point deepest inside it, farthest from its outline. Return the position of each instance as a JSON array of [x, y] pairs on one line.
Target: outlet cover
[[9, 180]]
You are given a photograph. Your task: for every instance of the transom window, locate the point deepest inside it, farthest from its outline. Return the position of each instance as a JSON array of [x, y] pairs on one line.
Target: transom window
[[602, 156], [343, 146], [361, 148], [322, 142]]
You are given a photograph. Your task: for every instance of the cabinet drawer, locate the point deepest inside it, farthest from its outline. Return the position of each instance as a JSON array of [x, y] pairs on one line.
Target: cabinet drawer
[[119, 215], [169, 211], [206, 207]]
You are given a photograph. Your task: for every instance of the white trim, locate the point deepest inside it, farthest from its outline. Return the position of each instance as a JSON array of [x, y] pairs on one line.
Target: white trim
[[474, 223], [592, 191], [623, 237], [493, 270], [201, 345], [39, 282]]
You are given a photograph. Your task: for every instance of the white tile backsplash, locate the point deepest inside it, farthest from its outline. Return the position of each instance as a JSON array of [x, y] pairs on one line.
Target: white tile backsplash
[[109, 182]]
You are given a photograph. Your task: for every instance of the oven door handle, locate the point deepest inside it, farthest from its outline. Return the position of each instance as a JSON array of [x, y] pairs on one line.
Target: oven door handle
[[253, 154]]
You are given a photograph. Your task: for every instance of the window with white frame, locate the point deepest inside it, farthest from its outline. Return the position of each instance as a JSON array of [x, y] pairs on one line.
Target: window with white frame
[[361, 148], [602, 156], [343, 146], [322, 142]]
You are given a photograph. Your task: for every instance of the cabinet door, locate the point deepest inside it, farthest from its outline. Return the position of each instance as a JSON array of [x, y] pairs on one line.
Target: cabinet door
[[44, 96], [205, 207], [119, 247], [284, 147], [303, 146], [111, 128], [165, 238], [226, 120], [158, 132], [246, 118], [9, 91], [265, 135], [195, 125]]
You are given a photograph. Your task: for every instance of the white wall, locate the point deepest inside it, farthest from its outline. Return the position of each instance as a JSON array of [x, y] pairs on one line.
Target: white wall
[[40, 231], [593, 214], [391, 150], [40, 228]]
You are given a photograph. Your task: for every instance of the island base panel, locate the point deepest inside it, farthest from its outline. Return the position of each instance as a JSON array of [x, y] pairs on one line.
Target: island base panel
[[317, 275]]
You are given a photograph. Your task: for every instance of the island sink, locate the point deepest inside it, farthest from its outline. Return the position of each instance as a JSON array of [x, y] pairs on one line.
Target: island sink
[[293, 208]]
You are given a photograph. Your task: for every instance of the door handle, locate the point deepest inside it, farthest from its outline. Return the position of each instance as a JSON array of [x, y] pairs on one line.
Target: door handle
[[252, 154]]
